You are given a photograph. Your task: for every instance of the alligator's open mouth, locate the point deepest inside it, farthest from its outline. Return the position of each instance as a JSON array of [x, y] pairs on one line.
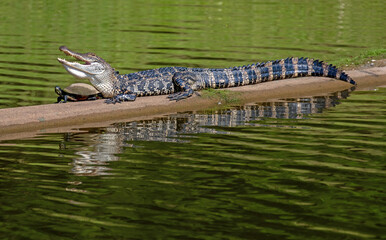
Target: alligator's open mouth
[[80, 70], [75, 55]]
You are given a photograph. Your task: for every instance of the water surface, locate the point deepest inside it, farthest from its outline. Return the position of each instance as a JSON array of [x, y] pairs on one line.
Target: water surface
[[137, 35], [307, 168], [289, 169]]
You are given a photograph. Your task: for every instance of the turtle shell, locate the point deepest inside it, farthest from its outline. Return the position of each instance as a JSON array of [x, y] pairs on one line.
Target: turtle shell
[[81, 89], [77, 92]]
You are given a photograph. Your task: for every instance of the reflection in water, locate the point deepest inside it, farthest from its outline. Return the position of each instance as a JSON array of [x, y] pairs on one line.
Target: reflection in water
[[94, 163], [316, 178], [267, 178], [176, 127]]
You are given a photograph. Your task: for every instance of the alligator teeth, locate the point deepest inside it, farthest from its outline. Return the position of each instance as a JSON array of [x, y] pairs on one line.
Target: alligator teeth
[[62, 60]]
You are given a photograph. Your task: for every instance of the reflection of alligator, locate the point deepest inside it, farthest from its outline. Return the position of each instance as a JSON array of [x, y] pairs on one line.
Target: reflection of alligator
[[181, 82], [173, 128]]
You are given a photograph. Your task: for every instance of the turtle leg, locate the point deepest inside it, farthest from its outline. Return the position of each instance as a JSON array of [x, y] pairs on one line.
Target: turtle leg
[[96, 97], [93, 98], [122, 98], [62, 99], [183, 81], [65, 98]]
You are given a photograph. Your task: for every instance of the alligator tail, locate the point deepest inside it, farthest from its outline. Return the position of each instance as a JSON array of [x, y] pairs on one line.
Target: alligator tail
[[300, 67]]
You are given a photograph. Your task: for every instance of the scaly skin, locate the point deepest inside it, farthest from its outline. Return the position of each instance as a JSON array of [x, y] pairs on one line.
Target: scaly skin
[[181, 82]]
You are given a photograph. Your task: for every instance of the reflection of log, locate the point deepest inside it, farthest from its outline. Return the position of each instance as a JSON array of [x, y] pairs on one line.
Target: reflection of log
[[27, 120]]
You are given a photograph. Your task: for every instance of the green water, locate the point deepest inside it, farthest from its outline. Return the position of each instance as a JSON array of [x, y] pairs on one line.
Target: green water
[[224, 174], [137, 35], [307, 168]]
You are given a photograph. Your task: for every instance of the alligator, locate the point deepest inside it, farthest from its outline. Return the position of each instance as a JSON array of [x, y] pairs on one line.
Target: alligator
[[181, 82]]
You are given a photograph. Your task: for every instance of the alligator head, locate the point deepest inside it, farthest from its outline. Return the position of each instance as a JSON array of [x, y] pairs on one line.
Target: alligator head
[[95, 69]]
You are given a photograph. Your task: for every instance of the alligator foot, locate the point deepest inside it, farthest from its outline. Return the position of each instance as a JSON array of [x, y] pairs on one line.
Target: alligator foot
[[180, 95], [184, 82], [122, 98]]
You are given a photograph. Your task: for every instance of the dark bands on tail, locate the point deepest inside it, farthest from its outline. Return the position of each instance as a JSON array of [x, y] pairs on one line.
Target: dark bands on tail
[[300, 67], [289, 68]]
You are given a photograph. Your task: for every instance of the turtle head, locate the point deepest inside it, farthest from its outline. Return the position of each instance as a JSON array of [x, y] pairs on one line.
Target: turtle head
[[93, 68], [59, 91]]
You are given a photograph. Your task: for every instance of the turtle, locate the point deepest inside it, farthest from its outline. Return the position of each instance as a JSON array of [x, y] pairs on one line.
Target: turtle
[[77, 92]]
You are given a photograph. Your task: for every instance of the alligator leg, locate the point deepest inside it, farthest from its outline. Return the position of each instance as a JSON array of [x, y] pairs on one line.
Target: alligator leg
[[122, 98], [182, 81]]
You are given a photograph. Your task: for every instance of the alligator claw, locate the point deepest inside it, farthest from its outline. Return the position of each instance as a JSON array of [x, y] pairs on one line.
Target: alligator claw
[[178, 96], [122, 98], [111, 101]]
